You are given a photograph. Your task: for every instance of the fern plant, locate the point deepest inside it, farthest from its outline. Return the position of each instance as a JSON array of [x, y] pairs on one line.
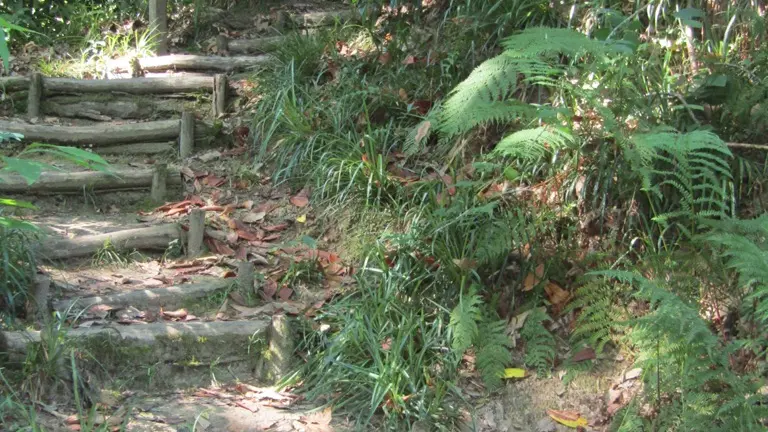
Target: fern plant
[[689, 378], [539, 342], [600, 319], [687, 176], [469, 326], [530, 58]]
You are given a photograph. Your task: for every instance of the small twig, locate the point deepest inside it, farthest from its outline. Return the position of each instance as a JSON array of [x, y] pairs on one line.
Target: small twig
[[747, 145]]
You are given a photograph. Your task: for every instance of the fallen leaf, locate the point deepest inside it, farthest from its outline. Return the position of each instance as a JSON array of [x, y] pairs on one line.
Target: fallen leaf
[[409, 60], [403, 95], [515, 373], [301, 219], [385, 58], [269, 289], [423, 130], [254, 217], [180, 313], [387, 344], [248, 235], [247, 204], [571, 419], [299, 201], [465, 264], [284, 294], [241, 253], [214, 181], [583, 355], [278, 227], [556, 294], [533, 278], [271, 237]]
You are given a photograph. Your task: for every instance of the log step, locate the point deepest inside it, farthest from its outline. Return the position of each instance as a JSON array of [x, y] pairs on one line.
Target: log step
[[152, 238], [159, 337], [168, 297], [97, 135], [195, 63], [52, 183], [136, 86]]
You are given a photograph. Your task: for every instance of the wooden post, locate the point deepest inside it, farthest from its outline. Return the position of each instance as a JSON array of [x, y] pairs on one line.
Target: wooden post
[[159, 178], [245, 276], [196, 230], [222, 45], [158, 21], [281, 349], [37, 299], [219, 95], [34, 98], [187, 136]]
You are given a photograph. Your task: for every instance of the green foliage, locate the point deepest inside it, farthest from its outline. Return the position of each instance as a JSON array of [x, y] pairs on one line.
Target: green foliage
[[382, 351], [492, 351], [688, 376], [539, 342], [464, 319], [743, 246], [533, 143], [487, 95], [600, 318], [688, 176], [470, 326]]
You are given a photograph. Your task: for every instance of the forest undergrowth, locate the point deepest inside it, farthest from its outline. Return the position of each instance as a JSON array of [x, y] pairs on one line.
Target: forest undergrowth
[[597, 163], [504, 167]]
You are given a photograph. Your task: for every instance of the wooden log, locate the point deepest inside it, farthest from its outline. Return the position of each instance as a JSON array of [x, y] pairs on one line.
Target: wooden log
[[197, 63], [219, 95], [245, 276], [159, 180], [158, 21], [168, 297], [152, 238], [139, 148], [35, 96], [187, 135], [97, 135], [14, 83], [106, 107], [196, 233], [140, 86], [37, 299], [53, 182], [327, 18], [17, 342], [255, 46]]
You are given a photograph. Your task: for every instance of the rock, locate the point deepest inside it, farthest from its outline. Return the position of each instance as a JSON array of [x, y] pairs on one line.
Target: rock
[[546, 425]]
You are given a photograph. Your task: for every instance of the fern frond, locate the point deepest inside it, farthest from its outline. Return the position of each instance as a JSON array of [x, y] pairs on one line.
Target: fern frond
[[493, 353], [534, 143], [464, 320], [537, 42], [687, 174], [539, 342]]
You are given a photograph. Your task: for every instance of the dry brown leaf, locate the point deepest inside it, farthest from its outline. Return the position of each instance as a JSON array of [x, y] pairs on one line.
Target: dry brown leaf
[[254, 217], [299, 201], [179, 313], [556, 294], [423, 130], [284, 294], [583, 355], [403, 95], [533, 278]]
